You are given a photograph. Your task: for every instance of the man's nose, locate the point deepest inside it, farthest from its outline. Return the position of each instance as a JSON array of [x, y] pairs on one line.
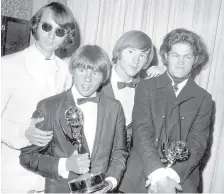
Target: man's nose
[[181, 60], [51, 34], [88, 76], [136, 59]]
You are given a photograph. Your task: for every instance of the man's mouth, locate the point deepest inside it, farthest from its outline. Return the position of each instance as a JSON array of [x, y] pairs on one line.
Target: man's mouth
[[85, 87]]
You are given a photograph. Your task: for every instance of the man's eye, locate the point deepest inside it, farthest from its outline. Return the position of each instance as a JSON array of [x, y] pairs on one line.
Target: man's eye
[[81, 70], [175, 56], [96, 73], [189, 57], [143, 55], [130, 51]]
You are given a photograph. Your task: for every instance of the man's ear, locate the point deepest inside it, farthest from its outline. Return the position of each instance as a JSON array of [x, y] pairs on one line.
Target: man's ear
[[196, 60], [166, 58], [151, 56], [119, 55]]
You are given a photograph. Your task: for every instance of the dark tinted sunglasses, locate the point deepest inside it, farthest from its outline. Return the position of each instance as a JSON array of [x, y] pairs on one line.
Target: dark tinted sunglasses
[[60, 32]]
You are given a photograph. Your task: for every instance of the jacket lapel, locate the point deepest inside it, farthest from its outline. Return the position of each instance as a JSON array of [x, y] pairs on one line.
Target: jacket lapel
[[186, 93], [164, 94], [107, 90], [66, 103], [100, 118]]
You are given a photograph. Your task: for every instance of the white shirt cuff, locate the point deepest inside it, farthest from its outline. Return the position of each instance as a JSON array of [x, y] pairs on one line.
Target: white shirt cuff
[[157, 175], [62, 168], [173, 174], [112, 180]]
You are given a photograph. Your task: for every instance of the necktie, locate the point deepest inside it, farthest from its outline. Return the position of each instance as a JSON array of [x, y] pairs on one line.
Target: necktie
[[90, 99], [132, 84], [177, 80]]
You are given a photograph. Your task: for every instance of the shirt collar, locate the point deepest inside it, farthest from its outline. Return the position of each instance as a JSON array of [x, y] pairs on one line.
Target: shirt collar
[[34, 64], [180, 85], [40, 55], [77, 95]]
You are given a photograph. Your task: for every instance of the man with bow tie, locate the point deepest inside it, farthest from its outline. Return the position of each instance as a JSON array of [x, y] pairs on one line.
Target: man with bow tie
[[101, 136], [132, 53]]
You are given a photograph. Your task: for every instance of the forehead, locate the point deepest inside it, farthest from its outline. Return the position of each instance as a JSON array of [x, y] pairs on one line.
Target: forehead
[[138, 50], [48, 16], [182, 48]]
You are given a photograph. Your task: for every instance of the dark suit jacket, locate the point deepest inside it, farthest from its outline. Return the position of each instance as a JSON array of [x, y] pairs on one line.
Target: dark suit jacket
[[109, 151], [149, 113]]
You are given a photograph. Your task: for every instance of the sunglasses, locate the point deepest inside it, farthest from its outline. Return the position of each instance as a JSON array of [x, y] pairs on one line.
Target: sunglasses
[[60, 32]]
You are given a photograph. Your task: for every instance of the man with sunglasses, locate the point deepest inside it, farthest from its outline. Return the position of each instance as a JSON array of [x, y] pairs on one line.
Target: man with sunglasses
[[29, 76]]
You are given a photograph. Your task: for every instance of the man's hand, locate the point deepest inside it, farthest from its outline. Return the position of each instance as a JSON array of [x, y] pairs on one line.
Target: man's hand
[[167, 185], [106, 189], [78, 163], [155, 71], [36, 136]]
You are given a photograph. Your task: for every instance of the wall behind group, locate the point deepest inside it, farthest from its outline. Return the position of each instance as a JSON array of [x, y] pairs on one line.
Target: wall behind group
[[21, 9], [24, 9]]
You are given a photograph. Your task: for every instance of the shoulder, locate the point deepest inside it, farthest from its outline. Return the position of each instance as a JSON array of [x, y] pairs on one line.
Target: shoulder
[[14, 62], [62, 63], [205, 95], [148, 84], [52, 101], [16, 55]]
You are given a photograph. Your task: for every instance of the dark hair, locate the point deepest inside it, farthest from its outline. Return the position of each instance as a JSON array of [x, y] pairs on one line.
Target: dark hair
[[134, 39], [91, 57], [182, 35], [63, 17]]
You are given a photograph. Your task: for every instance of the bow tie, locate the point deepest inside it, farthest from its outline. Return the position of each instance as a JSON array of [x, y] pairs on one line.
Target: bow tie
[[90, 99], [132, 84]]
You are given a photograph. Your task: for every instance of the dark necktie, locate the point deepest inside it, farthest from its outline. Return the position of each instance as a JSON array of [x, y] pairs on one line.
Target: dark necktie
[[177, 80], [132, 84], [90, 99]]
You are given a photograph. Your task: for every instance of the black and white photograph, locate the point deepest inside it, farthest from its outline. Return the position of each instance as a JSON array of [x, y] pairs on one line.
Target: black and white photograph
[[112, 96]]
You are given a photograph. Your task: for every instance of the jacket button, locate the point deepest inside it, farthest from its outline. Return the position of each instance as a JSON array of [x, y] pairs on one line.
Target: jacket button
[[182, 117], [157, 139], [163, 116]]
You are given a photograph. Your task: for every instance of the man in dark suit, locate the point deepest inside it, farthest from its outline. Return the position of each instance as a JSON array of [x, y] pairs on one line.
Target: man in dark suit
[[132, 53], [169, 109], [103, 135]]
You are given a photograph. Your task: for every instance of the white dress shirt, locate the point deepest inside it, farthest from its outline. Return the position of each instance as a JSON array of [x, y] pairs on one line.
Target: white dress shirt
[[167, 172], [26, 79], [89, 110], [125, 96]]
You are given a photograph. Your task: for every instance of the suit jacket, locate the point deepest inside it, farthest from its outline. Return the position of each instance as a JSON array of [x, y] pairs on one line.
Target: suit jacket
[[109, 150], [150, 111], [108, 91]]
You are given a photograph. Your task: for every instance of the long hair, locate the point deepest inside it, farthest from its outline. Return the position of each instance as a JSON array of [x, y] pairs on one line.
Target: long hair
[[182, 35], [62, 16]]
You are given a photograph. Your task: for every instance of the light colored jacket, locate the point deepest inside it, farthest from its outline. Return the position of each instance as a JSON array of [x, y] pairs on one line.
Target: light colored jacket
[[26, 79]]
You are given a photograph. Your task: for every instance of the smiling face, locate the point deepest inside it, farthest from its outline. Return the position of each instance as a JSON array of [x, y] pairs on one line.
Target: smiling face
[[131, 62], [47, 40], [180, 60], [87, 81]]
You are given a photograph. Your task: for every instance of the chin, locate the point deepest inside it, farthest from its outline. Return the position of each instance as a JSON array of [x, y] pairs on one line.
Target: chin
[[132, 74]]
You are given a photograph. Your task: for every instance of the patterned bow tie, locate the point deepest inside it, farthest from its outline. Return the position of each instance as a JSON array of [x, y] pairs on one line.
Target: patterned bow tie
[[121, 85], [91, 99], [132, 84]]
